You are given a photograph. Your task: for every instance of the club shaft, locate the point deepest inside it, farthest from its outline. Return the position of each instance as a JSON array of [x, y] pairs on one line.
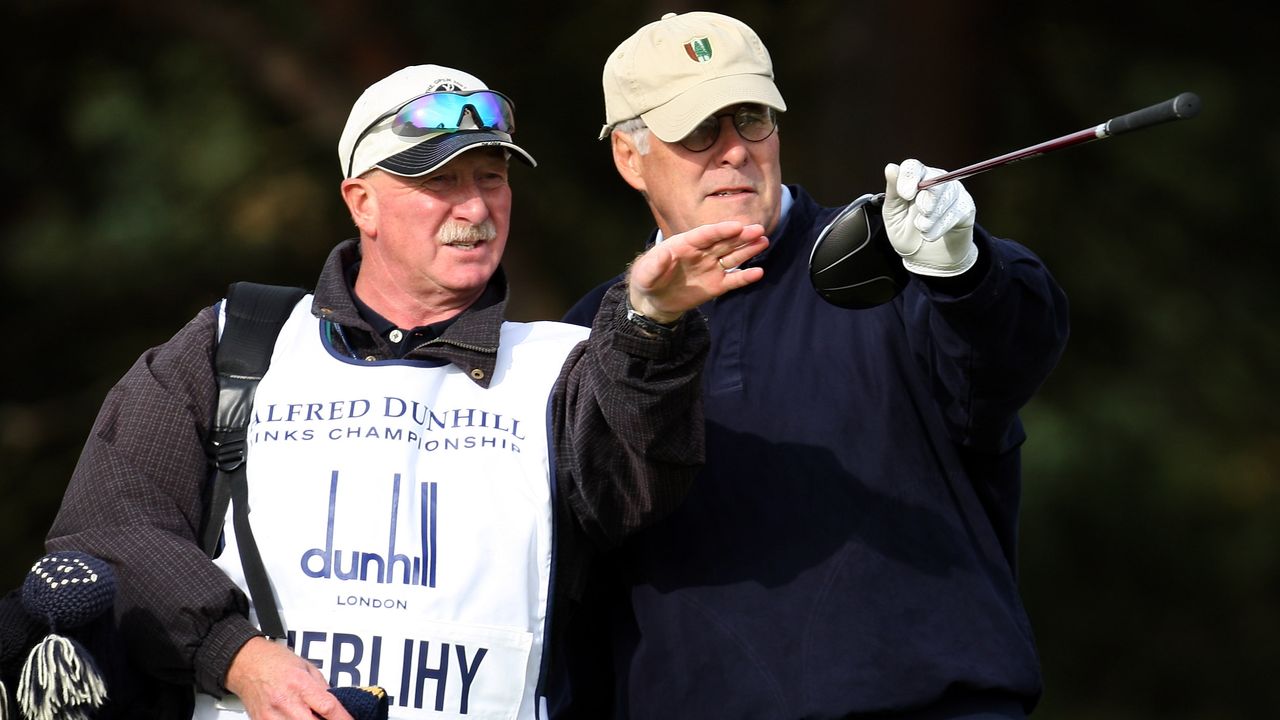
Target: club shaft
[[1076, 138], [1185, 105]]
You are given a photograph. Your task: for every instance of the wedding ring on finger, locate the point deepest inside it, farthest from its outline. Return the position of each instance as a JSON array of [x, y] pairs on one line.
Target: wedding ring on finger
[[727, 270]]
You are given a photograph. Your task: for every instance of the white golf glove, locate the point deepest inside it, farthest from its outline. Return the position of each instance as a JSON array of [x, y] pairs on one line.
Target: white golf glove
[[931, 229]]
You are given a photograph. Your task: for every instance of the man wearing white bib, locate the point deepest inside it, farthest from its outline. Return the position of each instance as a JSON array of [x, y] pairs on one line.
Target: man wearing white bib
[[427, 480]]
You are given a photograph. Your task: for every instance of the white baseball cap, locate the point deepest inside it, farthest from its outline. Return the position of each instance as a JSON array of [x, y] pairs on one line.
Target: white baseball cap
[[376, 134], [678, 71]]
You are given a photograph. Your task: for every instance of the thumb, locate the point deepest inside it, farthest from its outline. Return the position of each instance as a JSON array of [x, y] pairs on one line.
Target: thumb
[[891, 183], [895, 206]]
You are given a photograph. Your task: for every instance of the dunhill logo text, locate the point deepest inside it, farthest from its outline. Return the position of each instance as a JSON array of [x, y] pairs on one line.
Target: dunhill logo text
[[392, 566]]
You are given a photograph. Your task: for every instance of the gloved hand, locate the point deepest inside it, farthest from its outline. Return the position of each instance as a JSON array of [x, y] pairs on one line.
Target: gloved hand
[[931, 229]]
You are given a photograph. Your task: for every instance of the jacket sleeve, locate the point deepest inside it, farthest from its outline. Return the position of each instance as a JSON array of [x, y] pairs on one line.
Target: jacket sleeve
[[989, 348], [135, 501], [628, 422]]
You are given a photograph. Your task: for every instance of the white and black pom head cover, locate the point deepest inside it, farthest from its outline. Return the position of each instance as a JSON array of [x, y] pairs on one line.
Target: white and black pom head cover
[[60, 680]]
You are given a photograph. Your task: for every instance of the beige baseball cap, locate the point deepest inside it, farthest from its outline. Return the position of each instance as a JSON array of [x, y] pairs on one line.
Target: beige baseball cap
[[369, 140], [677, 71]]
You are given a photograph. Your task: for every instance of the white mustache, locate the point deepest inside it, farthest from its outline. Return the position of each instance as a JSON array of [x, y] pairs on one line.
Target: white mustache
[[466, 233]]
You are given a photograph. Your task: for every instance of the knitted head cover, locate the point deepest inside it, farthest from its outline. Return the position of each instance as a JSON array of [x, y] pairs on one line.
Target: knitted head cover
[[364, 703], [60, 680]]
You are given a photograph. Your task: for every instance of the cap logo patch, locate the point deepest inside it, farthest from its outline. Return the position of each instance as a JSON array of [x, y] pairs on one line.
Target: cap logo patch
[[445, 85], [699, 49]]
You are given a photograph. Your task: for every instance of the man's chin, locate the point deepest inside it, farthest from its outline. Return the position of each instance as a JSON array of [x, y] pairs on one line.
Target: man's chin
[[746, 209]]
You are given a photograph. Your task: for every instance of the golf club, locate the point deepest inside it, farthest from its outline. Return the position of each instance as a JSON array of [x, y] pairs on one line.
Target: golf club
[[851, 267]]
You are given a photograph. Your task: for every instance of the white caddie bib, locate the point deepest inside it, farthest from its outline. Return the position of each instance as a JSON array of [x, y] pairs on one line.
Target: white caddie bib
[[404, 517]]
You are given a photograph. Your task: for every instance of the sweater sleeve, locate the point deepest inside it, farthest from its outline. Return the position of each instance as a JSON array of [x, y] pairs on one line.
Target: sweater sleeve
[[628, 421], [135, 501], [990, 347]]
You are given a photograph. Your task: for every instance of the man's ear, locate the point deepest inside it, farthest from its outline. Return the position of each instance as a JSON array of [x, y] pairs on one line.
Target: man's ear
[[628, 160], [362, 202]]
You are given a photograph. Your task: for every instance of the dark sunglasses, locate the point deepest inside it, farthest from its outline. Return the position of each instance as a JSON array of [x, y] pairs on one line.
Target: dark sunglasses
[[752, 122], [443, 112]]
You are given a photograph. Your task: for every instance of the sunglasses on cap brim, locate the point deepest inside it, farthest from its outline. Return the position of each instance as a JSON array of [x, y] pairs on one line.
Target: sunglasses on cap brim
[[445, 112]]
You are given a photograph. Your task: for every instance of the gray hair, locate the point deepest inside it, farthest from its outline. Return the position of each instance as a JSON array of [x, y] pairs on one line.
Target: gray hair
[[637, 131]]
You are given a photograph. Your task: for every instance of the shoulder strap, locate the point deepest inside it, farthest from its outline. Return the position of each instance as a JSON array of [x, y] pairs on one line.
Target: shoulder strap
[[254, 315]]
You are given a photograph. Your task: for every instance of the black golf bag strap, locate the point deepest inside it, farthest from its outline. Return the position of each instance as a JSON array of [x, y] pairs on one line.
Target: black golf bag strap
[[254, 315]]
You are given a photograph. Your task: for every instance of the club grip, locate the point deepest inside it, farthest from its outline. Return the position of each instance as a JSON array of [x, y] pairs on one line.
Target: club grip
[[1186, 105]]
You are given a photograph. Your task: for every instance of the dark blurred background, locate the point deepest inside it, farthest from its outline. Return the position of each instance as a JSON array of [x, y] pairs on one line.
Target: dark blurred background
[[154, 152]]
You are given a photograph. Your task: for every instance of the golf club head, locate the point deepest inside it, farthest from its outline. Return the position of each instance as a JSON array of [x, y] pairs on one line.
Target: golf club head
[[851, 268]]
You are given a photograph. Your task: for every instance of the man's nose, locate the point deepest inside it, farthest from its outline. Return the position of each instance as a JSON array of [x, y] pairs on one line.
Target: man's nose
[[730, 147], [469, 205]]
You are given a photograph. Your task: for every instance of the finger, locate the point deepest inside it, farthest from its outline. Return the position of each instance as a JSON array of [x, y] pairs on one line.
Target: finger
[[926, 221], [892, 201], [909, 176], [937, 207], [959, 215], [704, 237], [937, 199], [750, 234], [325, 704], [955, 208], [925, 202], [730, 241], [735, 256], [741, 277], [966, 210]]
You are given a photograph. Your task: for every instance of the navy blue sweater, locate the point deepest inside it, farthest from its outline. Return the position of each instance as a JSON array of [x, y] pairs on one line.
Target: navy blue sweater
[[850, 545]]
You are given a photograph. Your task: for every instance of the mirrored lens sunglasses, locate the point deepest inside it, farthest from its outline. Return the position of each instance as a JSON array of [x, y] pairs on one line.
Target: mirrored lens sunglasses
[[445, 112]]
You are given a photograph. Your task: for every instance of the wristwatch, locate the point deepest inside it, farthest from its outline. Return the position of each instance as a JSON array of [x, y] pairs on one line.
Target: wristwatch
[[648, 324]]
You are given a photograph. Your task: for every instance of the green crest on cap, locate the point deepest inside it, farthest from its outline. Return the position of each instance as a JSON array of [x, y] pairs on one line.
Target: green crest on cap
[[699, 49]]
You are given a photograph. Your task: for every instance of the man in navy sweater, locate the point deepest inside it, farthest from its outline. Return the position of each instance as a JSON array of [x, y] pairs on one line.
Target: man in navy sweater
[[849, 548]]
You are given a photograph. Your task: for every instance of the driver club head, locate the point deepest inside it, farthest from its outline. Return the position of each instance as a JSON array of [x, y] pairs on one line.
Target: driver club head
[[852, 268]]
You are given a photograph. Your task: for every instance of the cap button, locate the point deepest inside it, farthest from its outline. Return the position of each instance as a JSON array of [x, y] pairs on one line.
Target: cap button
[[668, 16]]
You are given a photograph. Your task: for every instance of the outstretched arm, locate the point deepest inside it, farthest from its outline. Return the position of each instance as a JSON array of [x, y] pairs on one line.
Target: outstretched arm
[[992, 321], [628, 410]]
